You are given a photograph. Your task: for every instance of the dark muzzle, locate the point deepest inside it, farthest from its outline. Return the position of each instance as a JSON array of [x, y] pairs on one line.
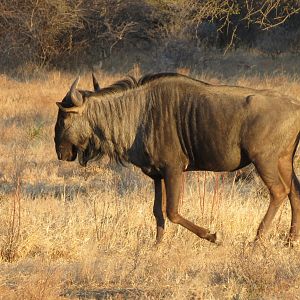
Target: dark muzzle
[[67, 153]]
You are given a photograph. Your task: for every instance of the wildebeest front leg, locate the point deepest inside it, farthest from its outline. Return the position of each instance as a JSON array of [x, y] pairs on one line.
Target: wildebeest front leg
[[173, 184], [159, 208]]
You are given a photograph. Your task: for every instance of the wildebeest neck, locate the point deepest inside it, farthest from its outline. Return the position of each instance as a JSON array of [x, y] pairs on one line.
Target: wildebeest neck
[[117, 121]]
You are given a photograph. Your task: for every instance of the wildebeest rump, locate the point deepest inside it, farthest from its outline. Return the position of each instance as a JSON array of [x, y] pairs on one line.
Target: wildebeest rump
[[167, 124]]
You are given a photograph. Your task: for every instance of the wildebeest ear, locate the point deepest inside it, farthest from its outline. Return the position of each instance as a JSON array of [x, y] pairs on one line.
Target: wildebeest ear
[[95, 83], [73, 109], [75, 95]]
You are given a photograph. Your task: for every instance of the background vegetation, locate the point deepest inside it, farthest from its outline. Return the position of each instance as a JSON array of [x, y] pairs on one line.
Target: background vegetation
[[72, 34]]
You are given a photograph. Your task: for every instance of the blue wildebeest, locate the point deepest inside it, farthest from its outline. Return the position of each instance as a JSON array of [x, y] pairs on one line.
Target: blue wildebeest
[[167, 124]]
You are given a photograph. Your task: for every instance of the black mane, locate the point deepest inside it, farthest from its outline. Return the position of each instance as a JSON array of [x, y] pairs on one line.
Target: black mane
[[150, 77], [130, 83], [121, 85]]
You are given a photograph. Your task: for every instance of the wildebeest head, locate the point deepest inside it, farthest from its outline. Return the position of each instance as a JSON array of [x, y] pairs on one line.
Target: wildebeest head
[[72, 131]]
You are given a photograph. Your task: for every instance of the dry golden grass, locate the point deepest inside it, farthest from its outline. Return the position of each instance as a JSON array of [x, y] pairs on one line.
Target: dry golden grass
[[68, 232]]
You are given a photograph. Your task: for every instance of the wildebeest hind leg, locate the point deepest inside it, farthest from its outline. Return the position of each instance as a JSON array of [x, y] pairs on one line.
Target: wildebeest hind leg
[[173, 184], [278, 192], [159, 208], [294, 197], [286, 170], [293, 187]]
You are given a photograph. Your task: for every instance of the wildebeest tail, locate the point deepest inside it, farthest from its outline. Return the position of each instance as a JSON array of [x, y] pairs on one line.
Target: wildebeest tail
[[296, 144]]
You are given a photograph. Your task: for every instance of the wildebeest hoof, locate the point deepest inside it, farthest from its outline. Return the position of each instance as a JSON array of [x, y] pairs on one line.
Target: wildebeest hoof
[[292, 243], [218, 238], [259, 243], [157, 244]]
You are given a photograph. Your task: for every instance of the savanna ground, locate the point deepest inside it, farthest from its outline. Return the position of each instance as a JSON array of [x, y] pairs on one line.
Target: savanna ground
[[88, 233]]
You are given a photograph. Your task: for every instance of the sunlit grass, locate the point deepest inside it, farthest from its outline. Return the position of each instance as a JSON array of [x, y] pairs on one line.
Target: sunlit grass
[[91, 231]]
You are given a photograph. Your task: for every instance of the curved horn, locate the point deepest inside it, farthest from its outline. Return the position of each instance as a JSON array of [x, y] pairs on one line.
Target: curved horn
[[76, 96], [74, 84], [95, 83]]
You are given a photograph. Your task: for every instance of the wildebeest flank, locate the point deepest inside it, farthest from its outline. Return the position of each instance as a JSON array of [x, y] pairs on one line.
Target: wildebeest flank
[[167, 124]]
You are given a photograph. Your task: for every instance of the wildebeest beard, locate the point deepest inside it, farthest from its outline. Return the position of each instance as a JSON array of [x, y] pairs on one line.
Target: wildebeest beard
[[91, 153], [85, 155], [96, 150]]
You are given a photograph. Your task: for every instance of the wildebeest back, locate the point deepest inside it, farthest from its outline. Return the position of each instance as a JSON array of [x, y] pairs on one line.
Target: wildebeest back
[[215, 127]]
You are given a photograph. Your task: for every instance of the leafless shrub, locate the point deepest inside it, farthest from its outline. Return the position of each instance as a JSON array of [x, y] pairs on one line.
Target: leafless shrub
[[43, 31], [68, 33], [233, 19], [111, 23], [38, 30]]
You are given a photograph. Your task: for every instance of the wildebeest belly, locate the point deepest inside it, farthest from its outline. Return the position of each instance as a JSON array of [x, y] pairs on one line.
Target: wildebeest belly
[[215, 154], [209, 130], [208, 162]]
